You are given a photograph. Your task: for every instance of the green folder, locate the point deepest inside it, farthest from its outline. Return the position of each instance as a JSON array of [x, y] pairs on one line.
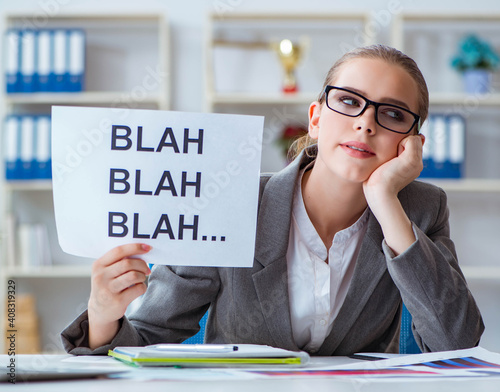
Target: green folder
[[208, 355]]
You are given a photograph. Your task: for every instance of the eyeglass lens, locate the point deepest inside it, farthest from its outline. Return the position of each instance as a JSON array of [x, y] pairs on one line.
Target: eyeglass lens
[[390, 117]]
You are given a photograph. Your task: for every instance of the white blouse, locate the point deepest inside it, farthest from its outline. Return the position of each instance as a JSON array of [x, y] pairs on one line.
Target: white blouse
[[317, 289]]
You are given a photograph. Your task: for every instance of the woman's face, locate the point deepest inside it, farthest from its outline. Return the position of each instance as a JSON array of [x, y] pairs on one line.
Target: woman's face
[[353, 147]]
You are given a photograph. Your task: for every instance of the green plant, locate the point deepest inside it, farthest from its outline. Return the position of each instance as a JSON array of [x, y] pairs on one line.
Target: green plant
[[475, 53]]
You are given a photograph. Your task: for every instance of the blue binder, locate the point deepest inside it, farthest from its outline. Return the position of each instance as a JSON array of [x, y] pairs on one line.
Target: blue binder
[[13, 60], [43, 60], [59, 73], [42, 151], [428, 162], [27, 147], [76, 66], [441, 143], [28, 63], [12, 149], [456, 156]]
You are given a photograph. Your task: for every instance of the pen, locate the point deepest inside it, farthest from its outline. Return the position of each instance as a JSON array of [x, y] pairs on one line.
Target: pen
[[201, 348], [365, 357]]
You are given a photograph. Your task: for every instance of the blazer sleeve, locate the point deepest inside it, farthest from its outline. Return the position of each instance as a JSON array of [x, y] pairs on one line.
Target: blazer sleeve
[[170, 311], [444, 313]]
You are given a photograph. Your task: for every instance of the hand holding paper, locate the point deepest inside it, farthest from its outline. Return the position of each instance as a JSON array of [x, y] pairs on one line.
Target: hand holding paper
[[117, 279]]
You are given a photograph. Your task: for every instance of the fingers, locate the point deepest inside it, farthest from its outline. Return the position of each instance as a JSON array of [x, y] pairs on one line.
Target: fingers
[[117, 279], [122, 252], [128, 278], [413, 144], [132, 292], [129, 264], [117, 275]]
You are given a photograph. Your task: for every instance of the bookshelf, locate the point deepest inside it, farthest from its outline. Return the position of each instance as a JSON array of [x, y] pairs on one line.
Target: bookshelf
[[432, 39], [243, 73], [127, 65]]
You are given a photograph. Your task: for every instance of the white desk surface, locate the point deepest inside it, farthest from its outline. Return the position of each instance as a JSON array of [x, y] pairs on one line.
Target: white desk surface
[[312, 384]]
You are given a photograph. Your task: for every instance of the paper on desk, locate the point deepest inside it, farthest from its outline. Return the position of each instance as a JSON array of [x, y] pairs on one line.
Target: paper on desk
[[209, 355], [185, 183], [147, 374], [475, 362], [94, 361]]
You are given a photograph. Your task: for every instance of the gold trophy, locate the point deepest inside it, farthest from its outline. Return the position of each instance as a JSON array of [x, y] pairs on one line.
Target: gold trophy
[[289, 54]]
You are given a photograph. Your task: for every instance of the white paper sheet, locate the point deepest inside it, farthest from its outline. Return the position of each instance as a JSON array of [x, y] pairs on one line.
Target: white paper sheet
[[475, 362], [185, 183]]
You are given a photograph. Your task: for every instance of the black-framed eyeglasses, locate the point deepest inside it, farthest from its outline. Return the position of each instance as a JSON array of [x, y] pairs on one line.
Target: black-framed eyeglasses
[[391, 117]]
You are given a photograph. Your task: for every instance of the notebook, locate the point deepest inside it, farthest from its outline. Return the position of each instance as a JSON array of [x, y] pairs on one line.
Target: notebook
[[208, 355]]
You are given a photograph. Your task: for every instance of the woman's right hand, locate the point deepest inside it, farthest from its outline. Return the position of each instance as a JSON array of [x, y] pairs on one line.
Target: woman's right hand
[[117, 279]]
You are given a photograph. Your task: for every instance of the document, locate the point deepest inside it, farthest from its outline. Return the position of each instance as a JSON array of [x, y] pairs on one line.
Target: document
[[185, 183], [208, 355], [475, 362]]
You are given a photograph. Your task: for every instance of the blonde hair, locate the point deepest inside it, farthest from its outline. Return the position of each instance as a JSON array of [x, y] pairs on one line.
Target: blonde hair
[[380, 52]]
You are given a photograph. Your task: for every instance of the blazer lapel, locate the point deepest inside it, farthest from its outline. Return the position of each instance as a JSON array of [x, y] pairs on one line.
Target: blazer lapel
[[272, 290], [370, 267], [270, 268]]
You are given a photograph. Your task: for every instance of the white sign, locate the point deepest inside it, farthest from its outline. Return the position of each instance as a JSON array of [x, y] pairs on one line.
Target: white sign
[[185, 183]]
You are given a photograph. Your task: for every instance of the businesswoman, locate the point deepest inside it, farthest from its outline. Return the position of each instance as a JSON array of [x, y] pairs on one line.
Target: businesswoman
[[345, 235]]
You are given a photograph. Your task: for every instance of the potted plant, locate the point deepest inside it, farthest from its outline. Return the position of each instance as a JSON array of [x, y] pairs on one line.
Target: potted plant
[[476, 59]]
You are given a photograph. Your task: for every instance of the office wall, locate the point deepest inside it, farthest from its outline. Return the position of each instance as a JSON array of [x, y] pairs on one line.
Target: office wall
[[187, 19]]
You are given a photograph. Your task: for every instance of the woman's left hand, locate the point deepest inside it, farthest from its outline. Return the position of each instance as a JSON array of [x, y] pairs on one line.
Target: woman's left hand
[[392, 176], [381, 192]]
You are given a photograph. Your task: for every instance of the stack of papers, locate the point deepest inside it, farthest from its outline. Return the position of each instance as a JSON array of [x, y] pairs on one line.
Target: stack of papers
[[208, 355]]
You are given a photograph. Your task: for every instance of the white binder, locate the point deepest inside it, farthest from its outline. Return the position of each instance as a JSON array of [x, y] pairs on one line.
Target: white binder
[[28, 61], [27, 146], [44, 57], [12, 63], [60, 64], [12, 148], [441, 140], [456, 127], [42, 150], [76, 39]]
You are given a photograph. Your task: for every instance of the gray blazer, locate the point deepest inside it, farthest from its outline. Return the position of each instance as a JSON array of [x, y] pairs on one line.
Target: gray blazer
[[251, 305]]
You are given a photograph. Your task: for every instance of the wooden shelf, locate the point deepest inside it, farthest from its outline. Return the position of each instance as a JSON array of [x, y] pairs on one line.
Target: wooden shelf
[[466, 185], [83, 98], [54, 271], [481, 272], [449, 16], [279, 16], [28, 185], [263, 98], [490, 99]]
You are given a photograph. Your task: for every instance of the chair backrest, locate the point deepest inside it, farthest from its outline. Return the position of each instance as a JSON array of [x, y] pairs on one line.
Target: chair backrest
[[407, 343], [200, 336]]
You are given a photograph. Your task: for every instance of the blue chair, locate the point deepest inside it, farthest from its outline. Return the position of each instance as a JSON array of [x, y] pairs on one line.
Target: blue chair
[[407, 343], [199, 337]]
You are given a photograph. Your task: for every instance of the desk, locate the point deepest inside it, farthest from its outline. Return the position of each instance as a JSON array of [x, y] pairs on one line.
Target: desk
[[313, 384]]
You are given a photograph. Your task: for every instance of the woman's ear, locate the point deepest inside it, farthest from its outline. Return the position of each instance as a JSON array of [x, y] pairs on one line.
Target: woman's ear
[[422, 137], [314, 115]]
